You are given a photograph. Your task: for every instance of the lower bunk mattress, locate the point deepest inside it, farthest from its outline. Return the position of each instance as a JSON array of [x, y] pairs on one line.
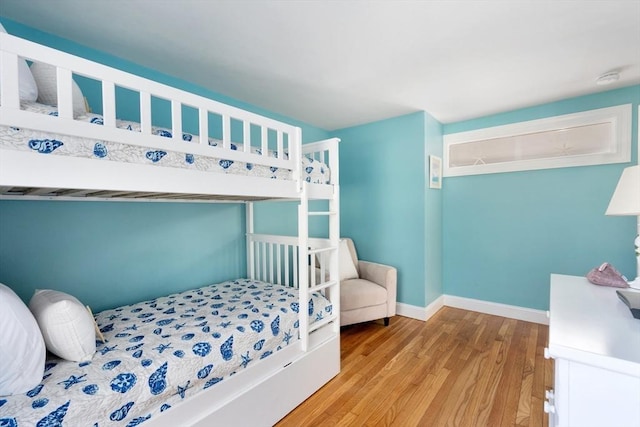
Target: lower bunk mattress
[[162, 351], [44, 143]]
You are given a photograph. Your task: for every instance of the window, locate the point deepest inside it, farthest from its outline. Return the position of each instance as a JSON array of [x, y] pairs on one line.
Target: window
[[587, 138]]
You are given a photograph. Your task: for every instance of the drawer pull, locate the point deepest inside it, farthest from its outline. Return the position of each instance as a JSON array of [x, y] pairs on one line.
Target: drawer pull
[[549, 408]]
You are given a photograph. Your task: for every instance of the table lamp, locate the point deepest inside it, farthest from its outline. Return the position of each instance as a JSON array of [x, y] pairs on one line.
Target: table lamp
[[626, 201]]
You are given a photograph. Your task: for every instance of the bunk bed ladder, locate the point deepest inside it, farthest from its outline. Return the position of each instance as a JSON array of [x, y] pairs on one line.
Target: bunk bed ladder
[[307, 263], [313, 275]]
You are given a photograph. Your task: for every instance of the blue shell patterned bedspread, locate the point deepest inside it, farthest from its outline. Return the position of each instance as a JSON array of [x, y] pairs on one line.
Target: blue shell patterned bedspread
[[162, 351], [24, 139]]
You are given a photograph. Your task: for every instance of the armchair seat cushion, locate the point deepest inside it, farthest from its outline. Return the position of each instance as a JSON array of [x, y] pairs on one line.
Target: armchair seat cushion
[[360, 293]]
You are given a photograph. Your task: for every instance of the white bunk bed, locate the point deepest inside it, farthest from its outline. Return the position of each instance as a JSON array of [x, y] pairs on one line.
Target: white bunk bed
[[265, 392]]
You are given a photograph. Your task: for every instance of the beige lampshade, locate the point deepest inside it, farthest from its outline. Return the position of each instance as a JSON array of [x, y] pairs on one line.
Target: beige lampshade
[[626, 198]]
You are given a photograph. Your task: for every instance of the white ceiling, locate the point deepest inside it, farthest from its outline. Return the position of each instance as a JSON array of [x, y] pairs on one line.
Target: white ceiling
[[335, 64]]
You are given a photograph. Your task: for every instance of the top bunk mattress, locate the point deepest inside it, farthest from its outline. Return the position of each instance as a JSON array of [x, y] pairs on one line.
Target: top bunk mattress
[[162, 351], [44, 143]]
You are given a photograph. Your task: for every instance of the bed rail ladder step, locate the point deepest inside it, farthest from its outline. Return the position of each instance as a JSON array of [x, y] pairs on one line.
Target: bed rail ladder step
[[323, 213], [322, 286], [320, 323], [322, 250]]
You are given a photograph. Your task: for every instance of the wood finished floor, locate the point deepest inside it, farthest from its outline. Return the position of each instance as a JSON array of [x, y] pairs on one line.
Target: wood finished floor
[[460, 368]]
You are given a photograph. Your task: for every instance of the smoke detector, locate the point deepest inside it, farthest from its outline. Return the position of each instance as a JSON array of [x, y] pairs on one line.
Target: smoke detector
[[608, 78]]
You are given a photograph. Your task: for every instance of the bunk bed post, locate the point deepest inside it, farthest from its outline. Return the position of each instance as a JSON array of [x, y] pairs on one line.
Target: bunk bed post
[[303, 266], [295, 152], [334, 268], [250, 251], [334, 228], [334, 162]]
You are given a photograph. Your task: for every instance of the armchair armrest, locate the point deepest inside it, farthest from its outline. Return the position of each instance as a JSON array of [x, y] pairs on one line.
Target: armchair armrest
[[383, 275]]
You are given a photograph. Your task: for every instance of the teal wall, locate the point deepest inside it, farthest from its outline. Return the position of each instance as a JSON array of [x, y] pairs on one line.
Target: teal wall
[[282, 218], [506, 233], [111, 253], [382, 197], [386, 204], [114, 253]]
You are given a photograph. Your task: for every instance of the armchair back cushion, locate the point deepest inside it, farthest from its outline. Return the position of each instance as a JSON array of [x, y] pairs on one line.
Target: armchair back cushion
[[348, 260]]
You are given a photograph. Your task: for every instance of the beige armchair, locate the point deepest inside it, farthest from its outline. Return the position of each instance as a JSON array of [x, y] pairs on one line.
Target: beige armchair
[[370, 296]]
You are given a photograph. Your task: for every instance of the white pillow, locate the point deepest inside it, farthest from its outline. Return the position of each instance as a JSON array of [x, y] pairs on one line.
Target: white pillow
[[45, 77], [22, 350], [347, 267], [28, 88], [27, 85], [66, 325]]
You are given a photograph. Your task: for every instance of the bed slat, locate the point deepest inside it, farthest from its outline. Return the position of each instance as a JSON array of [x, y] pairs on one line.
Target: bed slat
[[109, 103], [280, 147], [226, 131], [203, 126], [246, 136], [176, 120], [264, 135], [145, 113], [286, 264], [279, 265], [65, 101]]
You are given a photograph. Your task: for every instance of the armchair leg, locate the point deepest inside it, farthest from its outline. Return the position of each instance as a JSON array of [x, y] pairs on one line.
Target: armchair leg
[[386, 321]]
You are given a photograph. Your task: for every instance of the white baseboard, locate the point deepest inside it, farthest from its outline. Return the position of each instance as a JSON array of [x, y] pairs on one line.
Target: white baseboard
[[494, 308], [433, 308], [497, 309], [420, 313]]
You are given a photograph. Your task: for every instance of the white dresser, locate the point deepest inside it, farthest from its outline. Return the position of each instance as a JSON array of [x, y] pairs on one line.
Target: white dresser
[[595, 343]]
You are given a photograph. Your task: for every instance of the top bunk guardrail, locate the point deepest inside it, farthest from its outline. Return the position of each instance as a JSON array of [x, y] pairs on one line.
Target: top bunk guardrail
[[257, 140], [67, 65]]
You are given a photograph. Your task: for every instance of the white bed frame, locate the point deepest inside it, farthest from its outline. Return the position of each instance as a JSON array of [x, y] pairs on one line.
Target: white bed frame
[[264, 393]]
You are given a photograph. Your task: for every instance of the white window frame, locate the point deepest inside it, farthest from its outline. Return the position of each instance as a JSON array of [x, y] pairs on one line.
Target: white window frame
[[620, 117]]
